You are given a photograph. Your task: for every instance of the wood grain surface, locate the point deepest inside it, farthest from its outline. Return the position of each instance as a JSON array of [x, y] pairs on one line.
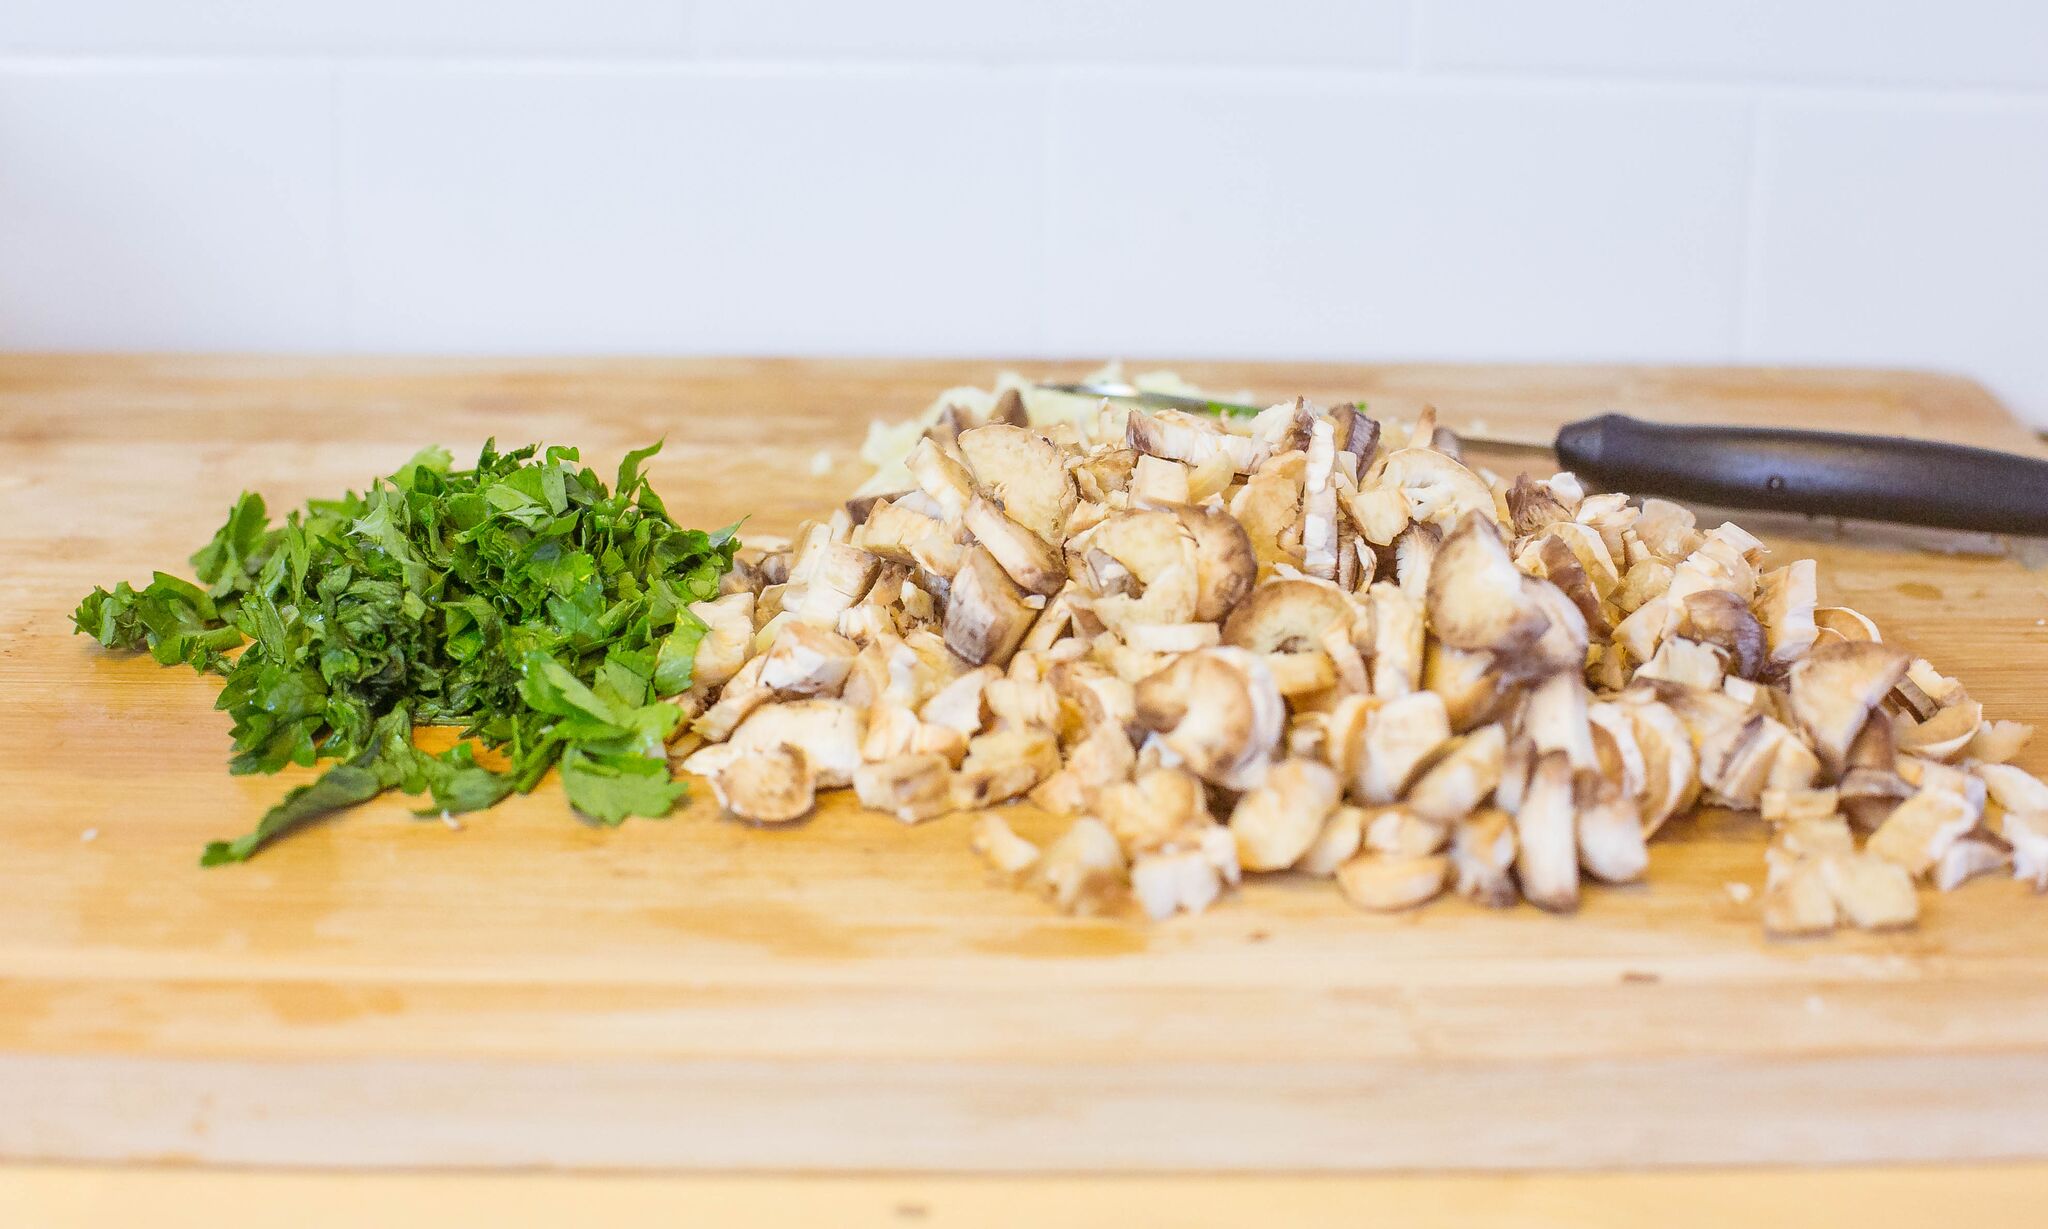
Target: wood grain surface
[[854, 994]]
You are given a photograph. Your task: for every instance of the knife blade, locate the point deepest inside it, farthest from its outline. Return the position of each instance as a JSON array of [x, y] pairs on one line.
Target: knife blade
[[1812, 473]]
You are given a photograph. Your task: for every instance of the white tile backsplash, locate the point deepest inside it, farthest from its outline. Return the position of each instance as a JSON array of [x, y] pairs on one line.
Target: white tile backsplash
[[1904, 236], [1328, 32], [1878, 42], [1321, 217], [1803, 180], [168, 209], [692, 210], [346, 27]]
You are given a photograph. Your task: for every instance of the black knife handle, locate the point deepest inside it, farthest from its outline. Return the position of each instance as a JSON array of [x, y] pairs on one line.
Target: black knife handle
[[1820, 473]]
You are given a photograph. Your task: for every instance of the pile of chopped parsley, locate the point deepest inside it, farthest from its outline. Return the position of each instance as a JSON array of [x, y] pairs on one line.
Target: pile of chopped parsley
[[519, 600]]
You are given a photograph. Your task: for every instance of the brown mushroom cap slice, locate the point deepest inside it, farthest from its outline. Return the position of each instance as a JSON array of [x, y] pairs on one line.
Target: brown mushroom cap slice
[[1785, 599], [1944, 735], [772, 785], [1549, 558], [1026, 557], [1146, 550], [1023, 472], [1268, 507], [1670, 769], [986, 614], [1475, 592], [1722, 619], [1355, 434], [1533, 507], [1547, 847], [1833, 689], [1472, 687], [1286, 616], [1219, 711], [1225, 565], [1190, 439], [1437, 487]]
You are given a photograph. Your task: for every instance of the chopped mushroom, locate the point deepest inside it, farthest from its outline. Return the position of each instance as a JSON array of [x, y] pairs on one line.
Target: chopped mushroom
[[1001, 847], [1386, 883], [913, 787], [1253, 645], [1276, 823], [771, 786]]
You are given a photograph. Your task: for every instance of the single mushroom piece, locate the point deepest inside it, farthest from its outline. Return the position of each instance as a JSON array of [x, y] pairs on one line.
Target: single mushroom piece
[[1355, 434], [807, 661], [1276, 823], [1002, 765], [1024, 556], [773, 785], [1219, 711], [828, 732], [1483, 858], [1339, 841], [1385, 883], [1968, 858], [1920, 830], [1547, 847], [728, 638], [1399, 738], [986, 614], [1191, 439], [1785, 599], [1833, 689], [1872, 893], [1155, 810], [1084, 870], [913, 787], [1475, 593], [1463, 776], [1715, 617], [1609, 832], [1285, 621], [1534, 507], [1021, 472], [1001, 847], [1799, 902]]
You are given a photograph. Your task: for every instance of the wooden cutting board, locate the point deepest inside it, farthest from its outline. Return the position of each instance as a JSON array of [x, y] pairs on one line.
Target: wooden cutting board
[[855, 994]]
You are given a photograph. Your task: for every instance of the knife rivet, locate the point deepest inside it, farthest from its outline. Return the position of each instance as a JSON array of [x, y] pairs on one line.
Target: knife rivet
[[1774, 483]]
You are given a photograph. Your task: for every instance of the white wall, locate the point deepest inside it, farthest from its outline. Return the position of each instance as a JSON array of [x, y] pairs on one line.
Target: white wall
[[1804, 180]]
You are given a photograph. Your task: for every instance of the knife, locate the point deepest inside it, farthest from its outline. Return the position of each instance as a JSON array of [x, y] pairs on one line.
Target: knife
[[1813, 473]]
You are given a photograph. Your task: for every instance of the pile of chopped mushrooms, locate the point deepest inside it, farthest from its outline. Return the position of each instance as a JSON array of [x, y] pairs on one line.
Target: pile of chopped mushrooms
[[1296, 643]]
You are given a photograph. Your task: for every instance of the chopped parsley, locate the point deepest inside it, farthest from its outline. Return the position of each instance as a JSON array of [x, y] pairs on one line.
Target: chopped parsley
[[520, 601]]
